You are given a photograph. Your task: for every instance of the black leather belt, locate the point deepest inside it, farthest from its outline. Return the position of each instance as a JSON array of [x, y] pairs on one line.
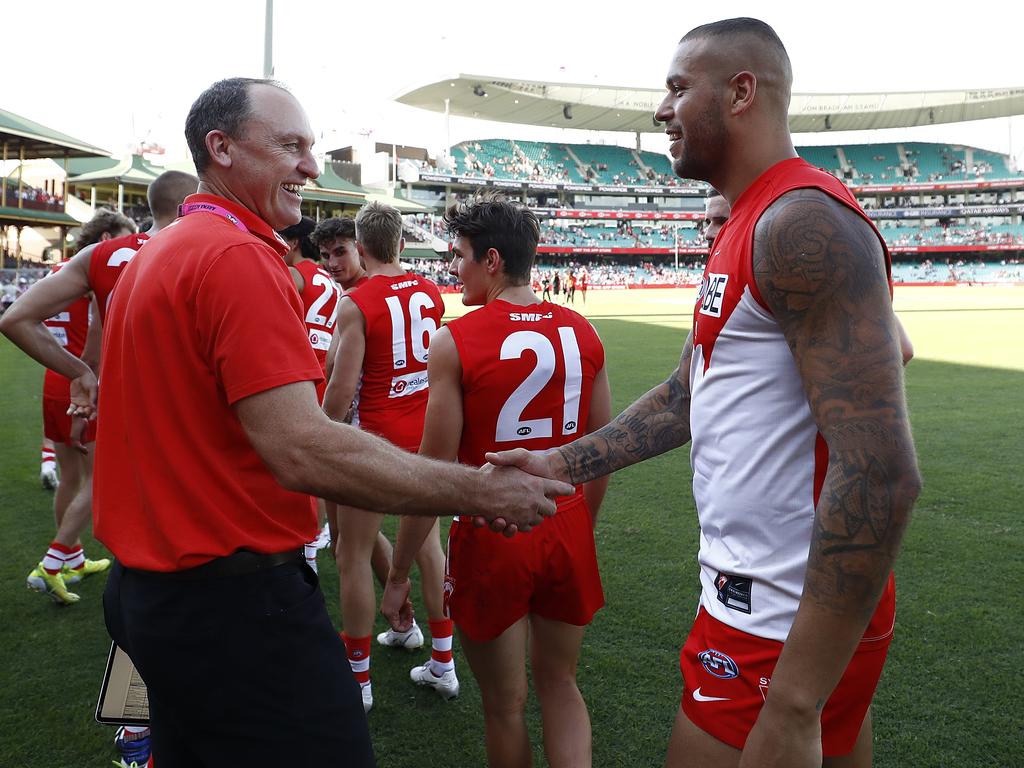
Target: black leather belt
[[236, 564]]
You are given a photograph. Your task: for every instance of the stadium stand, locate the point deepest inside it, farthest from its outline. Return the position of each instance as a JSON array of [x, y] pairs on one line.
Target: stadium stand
[[611, 164]]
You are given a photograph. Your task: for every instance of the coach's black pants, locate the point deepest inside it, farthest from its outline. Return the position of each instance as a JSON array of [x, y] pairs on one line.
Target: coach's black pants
[[242, 670]]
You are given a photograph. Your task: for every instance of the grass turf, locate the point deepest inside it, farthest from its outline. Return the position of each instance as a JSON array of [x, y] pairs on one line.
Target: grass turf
[[952, 691]]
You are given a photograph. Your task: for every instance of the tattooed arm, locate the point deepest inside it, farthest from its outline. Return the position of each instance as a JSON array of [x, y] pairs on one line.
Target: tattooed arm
[[657, 422], [820, 270]]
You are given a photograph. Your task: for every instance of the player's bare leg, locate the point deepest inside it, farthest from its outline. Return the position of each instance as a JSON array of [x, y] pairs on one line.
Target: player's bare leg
[[76, 518], [380, 560], [861, 755], [75, 468], [331, 513], [357, 530], [430, 560], [500, 669], [439, 670], [554, 653], [690, 747]]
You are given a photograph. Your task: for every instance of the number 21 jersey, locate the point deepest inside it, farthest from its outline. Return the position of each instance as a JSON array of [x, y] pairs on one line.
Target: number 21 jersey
[[527, 376]]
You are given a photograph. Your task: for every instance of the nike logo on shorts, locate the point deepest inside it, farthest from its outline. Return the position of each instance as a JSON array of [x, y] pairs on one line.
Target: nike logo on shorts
[[698, 696]]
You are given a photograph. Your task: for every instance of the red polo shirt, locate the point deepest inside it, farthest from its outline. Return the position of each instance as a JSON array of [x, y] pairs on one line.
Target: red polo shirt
[[203, 317]]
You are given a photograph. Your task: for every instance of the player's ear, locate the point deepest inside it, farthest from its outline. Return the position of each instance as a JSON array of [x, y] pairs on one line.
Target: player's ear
[[742, 88], [401, 245], [492, 260], [218, 146]]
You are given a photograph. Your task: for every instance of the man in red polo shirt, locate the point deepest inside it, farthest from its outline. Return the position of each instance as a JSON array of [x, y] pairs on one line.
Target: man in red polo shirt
[[208, 373]]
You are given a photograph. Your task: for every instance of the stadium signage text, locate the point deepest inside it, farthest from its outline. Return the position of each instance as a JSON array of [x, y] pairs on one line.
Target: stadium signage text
[[945, 211], [572, 213], [475, 181]]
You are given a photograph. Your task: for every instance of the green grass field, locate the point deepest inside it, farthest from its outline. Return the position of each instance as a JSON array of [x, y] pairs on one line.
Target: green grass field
[[952, 693]]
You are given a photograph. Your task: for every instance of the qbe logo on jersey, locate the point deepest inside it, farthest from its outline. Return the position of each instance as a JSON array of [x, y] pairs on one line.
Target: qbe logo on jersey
[[712, 292], [408, 384]]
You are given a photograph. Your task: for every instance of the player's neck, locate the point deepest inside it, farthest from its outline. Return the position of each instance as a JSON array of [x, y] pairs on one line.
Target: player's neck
[[390, 268], [352, 283], [520, 295]]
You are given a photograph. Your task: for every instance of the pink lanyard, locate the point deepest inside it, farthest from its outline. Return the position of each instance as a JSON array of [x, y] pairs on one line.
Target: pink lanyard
[[186, 208]]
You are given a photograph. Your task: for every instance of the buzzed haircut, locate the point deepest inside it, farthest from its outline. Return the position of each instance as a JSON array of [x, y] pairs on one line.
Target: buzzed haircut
[[379, 231], [491, 220], [301, 232], [104, 222], [224, 106], [731, 29], [336, 228], [168, 191]]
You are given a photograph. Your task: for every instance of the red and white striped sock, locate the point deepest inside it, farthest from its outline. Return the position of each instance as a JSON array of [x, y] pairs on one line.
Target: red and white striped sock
[[55, 557], [75, 559], [441, 646], [310, 552], [49, 458], [135, 732], [358, 651]]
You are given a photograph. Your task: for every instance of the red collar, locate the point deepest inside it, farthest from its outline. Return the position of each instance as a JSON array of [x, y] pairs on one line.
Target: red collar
[[248, 220]]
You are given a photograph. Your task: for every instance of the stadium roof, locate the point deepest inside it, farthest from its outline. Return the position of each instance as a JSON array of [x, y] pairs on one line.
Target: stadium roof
[[133, 169], [40, 141], [611, 108]]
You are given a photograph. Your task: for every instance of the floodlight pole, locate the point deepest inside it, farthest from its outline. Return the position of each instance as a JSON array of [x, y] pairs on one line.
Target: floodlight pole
[[268, 41], [447, 126]]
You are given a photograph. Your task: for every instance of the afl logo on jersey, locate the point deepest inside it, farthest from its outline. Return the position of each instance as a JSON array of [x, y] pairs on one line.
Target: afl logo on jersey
[[570, 427], [524, 431], [718, 664], [711, 294]]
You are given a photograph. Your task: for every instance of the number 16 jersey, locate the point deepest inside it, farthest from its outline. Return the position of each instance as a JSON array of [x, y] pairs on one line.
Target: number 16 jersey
[[402, 313], [527, 377]]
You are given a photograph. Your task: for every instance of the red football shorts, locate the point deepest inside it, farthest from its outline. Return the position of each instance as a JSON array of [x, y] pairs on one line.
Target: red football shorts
[[492, 581], [57, 423], [727, 672]]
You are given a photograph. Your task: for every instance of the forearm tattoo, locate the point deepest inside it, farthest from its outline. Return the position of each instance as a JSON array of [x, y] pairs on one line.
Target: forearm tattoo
[[657, 422]]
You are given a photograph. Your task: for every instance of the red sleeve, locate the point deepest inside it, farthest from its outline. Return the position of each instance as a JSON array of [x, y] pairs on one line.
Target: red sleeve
[[249, 321]]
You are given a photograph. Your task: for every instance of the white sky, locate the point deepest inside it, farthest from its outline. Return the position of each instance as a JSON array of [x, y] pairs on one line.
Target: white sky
[[116, 72]]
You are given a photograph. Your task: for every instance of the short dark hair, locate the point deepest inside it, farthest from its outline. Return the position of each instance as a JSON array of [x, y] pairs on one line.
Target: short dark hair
[[491, 220], [335, 228], [224, 106], [742, 25], [301, 232]]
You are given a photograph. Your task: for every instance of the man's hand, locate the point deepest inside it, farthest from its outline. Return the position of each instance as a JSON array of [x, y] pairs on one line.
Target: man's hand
[[783, 740], [517, 501], [395, 605], [83, 396], [534, 462]]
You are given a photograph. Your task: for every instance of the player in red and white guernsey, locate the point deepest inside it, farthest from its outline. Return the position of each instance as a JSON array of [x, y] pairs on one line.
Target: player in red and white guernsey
[[109, 243], [384, 328], [336, 240], [62, 332], [517, 372], [791, 385], [319, 295]]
